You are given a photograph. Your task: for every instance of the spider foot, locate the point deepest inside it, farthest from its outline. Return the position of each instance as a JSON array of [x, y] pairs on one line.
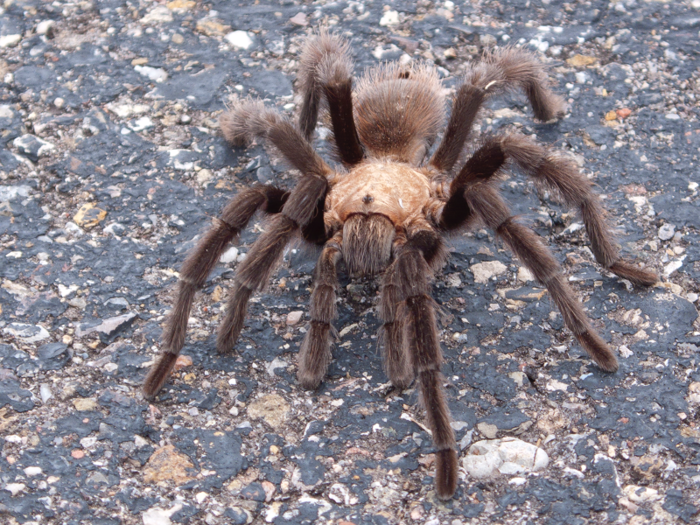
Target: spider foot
[[158, 374], [446, 473], [633, 273], [598, 350]]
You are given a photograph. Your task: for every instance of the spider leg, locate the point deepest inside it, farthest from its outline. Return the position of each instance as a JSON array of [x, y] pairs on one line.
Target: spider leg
[[250, 118], [556, 172], [422, 345], [265, 253], [326, 70], [561, 175], [396, 361], [486, 202], [315, 352], [497, 71], [199, 265]]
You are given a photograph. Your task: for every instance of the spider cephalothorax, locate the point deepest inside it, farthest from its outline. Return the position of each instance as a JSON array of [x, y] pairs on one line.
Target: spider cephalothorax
[[386, 209]]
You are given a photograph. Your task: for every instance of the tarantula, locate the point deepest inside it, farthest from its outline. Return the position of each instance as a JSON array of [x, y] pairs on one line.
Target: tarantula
[[386, 210]]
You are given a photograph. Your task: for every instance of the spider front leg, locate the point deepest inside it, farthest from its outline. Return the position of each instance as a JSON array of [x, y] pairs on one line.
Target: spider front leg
[[396, 362], [199, 265], [315, 352], [422, 345], [326, 70]]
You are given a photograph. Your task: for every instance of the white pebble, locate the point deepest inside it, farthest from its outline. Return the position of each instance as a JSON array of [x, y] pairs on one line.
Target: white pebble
[[10, 40], [44, 26], [239, 39], [156, 74], [229, 255], [32, 471], [389, 19], [667, 231], [580, 77], [15, 488]]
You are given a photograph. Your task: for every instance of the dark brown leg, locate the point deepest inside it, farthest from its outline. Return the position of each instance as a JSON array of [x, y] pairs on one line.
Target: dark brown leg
[[422, 345], [562, 175], [199, 265], [497, 71], [486, 202], [264, 256], [396, 362], [249, 118], [315, 353], [326, 69]]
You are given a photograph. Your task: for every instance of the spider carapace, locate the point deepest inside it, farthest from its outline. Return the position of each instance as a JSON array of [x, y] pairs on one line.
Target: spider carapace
[[386, 208]]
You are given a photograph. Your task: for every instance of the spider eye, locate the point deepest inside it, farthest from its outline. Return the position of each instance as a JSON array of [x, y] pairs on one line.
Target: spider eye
[[404, 75]]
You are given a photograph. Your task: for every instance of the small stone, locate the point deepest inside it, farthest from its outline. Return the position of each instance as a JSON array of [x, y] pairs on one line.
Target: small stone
[[299, 20], [10, 40], [85, 404], [45, 27], [272, 408], [89, 216], [181, 5], [389, 19], [240, 39], [157, 15], [15, 488], [623, 113], [581, 60], [611, 115], [212, 27], [33, 147], [59, 102], [229, 255], [454, 281], [177, 38], [672, 116], [141, 124], [156, 74], [158, 516], [77, 454], [275, 364], [667, 231], [485, 270], [45, 392], [293, 318], [182, 361], [580, 77], [167, 464], [107, 327], [28, 333], [488, 430], [672, 267], [32, 471], [525, 275], [503, 456]]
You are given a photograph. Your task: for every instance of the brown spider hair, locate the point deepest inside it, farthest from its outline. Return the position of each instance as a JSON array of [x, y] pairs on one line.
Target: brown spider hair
[[386, 211]]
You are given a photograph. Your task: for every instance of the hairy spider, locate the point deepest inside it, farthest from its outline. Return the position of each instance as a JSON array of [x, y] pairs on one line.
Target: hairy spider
[[386, 210]]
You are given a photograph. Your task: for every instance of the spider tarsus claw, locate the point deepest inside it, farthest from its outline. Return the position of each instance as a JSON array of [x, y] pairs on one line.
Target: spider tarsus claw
[[598, 350], [634, 274], [446, 473], [158, 375], [308, 381]]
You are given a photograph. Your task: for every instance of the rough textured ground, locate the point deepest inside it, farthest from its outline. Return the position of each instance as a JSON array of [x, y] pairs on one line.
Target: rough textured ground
[[111, 164]]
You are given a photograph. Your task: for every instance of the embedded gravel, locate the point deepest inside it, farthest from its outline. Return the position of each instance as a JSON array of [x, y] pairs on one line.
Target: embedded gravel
[[111, 166]]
